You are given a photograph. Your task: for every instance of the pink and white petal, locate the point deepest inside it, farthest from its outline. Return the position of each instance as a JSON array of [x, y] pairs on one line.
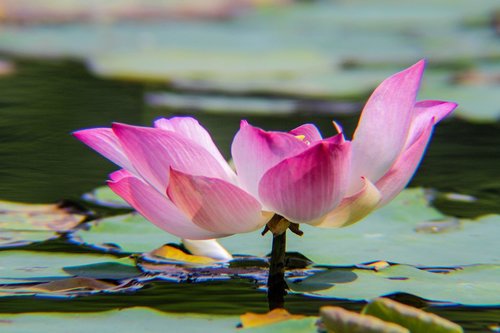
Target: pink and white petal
[[215, 204], [353, 208], [207, 248], [255, 151], [309, 131], [305, 187], [398, 176], [383, 126], [424, 112], [153, 151], [105, 142], [192, 130], [156, 208]]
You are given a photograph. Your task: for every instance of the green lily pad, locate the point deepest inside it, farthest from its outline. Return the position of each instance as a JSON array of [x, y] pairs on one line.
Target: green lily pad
[[12, 239], [124, 269], [19, 266], [277, 53], [133, 320], [416, 320], [123, 233], [393, 234], [470, 285]]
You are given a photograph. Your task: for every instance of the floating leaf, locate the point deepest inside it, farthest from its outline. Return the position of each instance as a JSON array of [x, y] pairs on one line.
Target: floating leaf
[[470, 285], [37, 217], [25, 266], [123, 233], [132, 320], [277, 315], [415, 320], [389, 234], [124, 269], [338, 320], [11, 239], [64, 287]]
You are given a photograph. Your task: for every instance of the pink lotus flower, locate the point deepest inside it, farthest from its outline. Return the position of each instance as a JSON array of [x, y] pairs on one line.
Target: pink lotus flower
[[333, 182], [174, 175]]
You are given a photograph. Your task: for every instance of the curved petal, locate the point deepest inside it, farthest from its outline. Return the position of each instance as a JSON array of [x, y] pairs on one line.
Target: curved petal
[[254, 151], [424, 112], [309, 131], [207, 248], [398, 176], [215, 204], [383, 126], [118, 175], [353, 208], [191, 129], [153, 151], [304, 187], [105, 142], [158, 209]]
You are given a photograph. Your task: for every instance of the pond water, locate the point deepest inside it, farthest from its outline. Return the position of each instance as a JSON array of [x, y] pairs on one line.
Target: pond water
[[41, 162]]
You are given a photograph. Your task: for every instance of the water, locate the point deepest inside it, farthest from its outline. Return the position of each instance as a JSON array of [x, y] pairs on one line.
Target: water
[[41, 162]]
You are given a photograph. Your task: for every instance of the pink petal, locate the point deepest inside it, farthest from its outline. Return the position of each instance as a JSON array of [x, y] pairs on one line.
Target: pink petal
[[119, 175], [353, 208], [383, 126], [158, 209], [153, 151], [215, 204], [255, 151], [424, 112], [309, 131], [304, 187], [191, 129], [398, 176], [105, 142]]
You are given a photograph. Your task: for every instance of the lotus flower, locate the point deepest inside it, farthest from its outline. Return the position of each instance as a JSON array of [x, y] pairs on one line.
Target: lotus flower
[[174, 175], [333, 182]]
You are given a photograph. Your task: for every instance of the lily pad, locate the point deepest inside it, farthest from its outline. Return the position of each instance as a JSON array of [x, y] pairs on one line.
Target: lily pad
[[37, 217], [12, 239], [133, 320], [338, 320], [470, 285], [389, 234], [19, 266], [123, 233], [416, 320]]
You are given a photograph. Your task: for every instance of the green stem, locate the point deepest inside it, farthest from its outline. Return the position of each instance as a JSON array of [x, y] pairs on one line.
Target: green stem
[[276, 284]]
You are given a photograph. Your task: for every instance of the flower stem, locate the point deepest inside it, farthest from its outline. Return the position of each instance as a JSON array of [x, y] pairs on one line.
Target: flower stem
[[276, 284]]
